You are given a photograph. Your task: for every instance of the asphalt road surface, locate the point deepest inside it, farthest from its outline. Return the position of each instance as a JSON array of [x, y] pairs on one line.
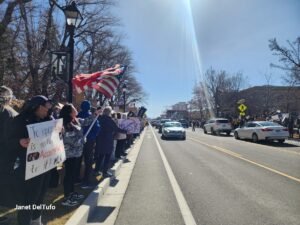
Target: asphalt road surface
[[213, 180]]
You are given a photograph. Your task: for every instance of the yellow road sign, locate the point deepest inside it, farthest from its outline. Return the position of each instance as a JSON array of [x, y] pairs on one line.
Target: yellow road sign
[[242, 107], [242, 114]]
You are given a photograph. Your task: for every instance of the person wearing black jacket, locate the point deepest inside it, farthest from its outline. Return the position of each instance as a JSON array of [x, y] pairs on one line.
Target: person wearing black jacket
[[6, 116], [105, 141], [28, 192]]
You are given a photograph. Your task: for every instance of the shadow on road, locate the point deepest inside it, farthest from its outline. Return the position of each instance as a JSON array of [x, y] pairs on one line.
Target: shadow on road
[[274, 144], [171, 139], [100, 214]]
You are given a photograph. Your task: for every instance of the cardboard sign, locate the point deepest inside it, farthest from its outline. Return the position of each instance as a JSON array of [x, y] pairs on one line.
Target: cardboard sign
[[46, 148]]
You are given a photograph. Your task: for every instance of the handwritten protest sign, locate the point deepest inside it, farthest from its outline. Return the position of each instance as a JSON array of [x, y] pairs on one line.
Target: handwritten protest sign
[[46, 148], [131, 125]]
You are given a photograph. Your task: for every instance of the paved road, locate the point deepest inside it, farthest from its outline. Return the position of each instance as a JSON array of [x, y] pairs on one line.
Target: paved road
[[223, 182]]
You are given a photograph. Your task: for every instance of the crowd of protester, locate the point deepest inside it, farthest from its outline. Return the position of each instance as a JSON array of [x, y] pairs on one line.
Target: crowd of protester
[[105, 143]]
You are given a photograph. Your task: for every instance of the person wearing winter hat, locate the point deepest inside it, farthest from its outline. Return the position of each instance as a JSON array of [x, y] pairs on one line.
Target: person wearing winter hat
[[7, 114], [89, 146], [28, 192]]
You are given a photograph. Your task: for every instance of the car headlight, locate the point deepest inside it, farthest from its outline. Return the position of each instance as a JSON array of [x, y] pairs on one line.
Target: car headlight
[[167, 130]]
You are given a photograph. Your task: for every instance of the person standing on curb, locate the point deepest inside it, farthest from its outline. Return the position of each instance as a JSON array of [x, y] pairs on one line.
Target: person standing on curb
[[89, 146], [73, 141], [121, 139], [6, 165], [105, 141], [28, 192]]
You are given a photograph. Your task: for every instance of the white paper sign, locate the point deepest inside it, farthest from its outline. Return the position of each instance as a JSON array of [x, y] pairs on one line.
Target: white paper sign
[[131, 125], [46, 148]]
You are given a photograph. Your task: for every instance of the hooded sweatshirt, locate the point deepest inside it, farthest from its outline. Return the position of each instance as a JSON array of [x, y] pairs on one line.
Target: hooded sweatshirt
[[85, 113]]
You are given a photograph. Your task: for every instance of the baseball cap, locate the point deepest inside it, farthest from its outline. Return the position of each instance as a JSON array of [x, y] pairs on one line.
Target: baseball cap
[[38, 100]]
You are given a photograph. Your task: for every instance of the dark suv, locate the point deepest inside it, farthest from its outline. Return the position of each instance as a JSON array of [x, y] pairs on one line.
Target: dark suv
[[184, 123]]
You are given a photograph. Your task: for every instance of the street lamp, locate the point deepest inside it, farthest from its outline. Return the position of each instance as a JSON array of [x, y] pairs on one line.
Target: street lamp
[[73, 18], [124, 95]]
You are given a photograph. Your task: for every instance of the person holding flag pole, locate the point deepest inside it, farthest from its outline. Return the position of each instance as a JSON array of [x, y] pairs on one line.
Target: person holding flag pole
[[105, 82]]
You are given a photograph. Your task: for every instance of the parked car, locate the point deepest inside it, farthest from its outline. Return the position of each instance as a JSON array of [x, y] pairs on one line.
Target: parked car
[[162, 121], [154, 123], [217, 126], [184, 123], [262, 130], [173, 130]]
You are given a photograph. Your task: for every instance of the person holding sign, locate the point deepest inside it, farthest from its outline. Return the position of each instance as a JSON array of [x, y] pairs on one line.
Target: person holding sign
[[28, 192]]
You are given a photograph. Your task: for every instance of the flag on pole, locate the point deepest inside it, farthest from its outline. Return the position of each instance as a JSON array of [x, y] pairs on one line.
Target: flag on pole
[[106, 81]]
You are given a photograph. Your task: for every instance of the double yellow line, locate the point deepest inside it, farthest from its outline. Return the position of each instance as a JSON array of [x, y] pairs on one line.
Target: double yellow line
[[236, 155]]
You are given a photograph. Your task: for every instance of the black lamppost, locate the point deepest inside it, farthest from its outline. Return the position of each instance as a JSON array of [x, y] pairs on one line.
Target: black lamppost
[[124, 96], [73, 18]]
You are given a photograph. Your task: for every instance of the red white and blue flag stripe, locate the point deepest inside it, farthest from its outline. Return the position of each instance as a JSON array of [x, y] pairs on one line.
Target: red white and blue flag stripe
[[106, 81]]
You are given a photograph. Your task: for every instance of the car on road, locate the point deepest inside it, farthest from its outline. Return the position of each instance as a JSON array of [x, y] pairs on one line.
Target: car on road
[[173, 130], [217, 126], [184, 123], [154, 123], [262, 130], [161, 123]]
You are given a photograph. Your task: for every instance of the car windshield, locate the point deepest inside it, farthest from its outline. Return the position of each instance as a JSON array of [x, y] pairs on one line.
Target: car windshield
[[172, 125], [268, 124]]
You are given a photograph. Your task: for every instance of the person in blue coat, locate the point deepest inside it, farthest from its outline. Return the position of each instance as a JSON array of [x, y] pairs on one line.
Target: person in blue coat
[[105, 141], [89, 145]]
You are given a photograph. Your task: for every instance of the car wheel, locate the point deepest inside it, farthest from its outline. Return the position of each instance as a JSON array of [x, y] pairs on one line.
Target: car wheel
[[228, 133], [205, 131], [281, 141], [184, 138], [254, 138], [236, 135], [163, 137], [212, 131]]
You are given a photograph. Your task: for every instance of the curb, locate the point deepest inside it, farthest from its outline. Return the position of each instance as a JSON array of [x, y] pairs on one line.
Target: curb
[[80, 216]]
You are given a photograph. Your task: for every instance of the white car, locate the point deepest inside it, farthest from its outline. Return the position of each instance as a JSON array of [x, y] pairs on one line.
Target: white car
[[217, 126], [173, 130], [262, 130]]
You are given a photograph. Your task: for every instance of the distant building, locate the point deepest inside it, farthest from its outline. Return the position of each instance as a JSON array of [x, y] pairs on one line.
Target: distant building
[[177, 114], [180, 106], [262, 100]]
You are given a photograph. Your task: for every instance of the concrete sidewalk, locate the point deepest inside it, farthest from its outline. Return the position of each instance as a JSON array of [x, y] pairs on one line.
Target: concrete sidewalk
[[85, 211]]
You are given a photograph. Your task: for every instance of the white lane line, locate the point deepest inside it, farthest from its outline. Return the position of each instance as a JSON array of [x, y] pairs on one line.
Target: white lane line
[[184, 208]]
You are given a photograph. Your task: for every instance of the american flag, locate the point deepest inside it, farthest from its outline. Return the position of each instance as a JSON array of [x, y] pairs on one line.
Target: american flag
[[106, 81]]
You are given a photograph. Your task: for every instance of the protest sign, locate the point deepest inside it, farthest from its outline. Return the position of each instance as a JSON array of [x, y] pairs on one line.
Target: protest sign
[[46, 148], [131, 125]]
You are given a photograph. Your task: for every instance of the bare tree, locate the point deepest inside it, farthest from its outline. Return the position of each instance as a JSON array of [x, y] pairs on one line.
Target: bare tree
[[290, 58], [220, 91], [29, 32]]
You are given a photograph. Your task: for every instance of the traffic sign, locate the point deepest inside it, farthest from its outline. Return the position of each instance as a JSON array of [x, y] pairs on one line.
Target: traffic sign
[[242, 114], [242, 108]]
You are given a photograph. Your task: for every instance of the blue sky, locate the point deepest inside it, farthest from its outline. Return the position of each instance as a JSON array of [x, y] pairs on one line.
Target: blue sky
[[166, 40]]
